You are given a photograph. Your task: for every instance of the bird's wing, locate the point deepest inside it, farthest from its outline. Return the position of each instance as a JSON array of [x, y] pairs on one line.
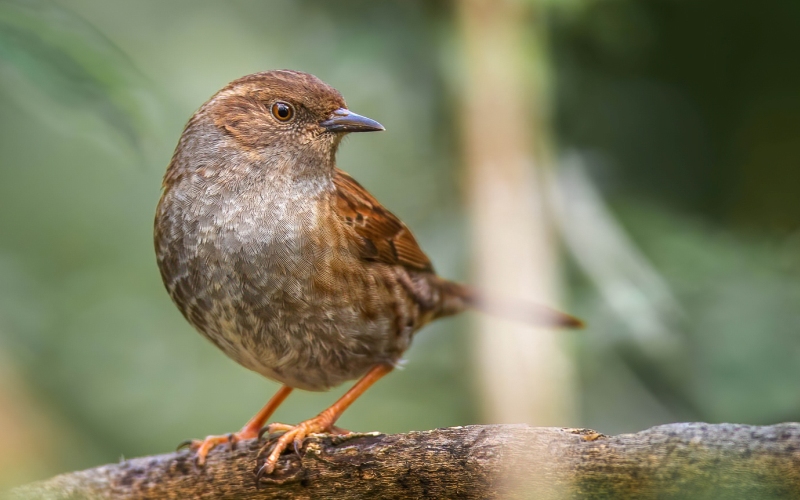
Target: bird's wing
[[383, 237]]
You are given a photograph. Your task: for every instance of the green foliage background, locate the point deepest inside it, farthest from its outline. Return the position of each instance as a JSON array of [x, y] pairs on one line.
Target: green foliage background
[[687, 113]]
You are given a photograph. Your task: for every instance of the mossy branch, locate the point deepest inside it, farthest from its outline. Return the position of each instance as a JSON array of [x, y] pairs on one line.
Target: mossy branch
[[689, 460]]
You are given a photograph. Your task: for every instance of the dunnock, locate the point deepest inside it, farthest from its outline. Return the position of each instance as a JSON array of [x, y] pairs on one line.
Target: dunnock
[[285, 262]]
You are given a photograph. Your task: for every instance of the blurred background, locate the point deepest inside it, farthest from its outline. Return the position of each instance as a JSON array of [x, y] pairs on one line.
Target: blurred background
[[657, 143]]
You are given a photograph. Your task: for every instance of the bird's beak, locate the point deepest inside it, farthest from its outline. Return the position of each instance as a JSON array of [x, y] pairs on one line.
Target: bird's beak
[[344, 120]]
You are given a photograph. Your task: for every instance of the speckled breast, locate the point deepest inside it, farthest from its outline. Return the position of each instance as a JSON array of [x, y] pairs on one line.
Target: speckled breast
[[252, 277]]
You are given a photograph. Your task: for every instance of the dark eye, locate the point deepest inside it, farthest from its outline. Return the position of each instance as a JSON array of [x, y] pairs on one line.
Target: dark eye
[[282, 111]]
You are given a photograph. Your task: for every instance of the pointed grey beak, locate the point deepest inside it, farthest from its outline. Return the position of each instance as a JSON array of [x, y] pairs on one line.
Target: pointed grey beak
[[344, 120]]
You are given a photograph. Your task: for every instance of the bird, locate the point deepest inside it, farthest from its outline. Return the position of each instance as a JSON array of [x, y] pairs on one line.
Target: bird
[[285, 262]]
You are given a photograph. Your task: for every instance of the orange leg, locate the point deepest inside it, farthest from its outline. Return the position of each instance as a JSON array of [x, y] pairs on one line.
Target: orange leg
[[249, 431], [322, 423]]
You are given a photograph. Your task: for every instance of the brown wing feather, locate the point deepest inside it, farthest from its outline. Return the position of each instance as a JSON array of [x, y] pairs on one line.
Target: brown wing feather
[[383, 237]]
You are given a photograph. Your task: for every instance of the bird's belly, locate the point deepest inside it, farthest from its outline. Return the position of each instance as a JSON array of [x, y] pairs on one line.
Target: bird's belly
[[296, 310], [289, 331], [275, 293]]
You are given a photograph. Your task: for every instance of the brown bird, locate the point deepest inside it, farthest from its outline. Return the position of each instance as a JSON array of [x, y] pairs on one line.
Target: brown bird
[[285, 262]]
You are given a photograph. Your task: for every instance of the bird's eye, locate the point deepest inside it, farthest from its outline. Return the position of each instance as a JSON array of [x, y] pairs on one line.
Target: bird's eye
[[282, 111]]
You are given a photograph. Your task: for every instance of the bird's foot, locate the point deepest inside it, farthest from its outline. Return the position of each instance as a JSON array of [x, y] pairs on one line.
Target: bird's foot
[[295, 434], [279, 427], [203, 447]]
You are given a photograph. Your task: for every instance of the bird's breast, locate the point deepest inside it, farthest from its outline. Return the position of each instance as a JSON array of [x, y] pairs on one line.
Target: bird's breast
[[271, 281]]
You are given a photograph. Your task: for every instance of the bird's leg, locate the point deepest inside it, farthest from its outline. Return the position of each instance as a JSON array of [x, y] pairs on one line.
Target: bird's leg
[[322, 423], [249, 431]]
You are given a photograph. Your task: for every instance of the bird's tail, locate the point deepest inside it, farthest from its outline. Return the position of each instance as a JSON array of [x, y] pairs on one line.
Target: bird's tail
[[457, 297]]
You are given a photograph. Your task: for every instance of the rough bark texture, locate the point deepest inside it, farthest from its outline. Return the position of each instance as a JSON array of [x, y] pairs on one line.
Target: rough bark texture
[[497, 461]]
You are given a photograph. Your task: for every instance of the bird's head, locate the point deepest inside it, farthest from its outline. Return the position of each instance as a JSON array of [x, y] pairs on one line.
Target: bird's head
[[282, 119]]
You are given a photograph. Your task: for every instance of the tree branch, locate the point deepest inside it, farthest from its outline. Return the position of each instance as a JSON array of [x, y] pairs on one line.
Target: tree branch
[[494, 461]]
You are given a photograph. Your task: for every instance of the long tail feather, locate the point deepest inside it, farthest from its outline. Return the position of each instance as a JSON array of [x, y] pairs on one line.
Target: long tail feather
[[458, 297]]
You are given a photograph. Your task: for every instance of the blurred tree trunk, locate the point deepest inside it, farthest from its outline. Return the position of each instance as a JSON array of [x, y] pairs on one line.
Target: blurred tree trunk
[[525, 375]]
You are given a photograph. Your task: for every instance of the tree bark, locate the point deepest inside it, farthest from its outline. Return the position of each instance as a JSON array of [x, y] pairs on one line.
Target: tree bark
[[692, 460]]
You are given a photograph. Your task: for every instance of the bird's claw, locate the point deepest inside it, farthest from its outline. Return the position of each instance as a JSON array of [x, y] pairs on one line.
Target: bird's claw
[[202, 448], [293, 434], [297, 445], [189, 443], [273, 429]]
